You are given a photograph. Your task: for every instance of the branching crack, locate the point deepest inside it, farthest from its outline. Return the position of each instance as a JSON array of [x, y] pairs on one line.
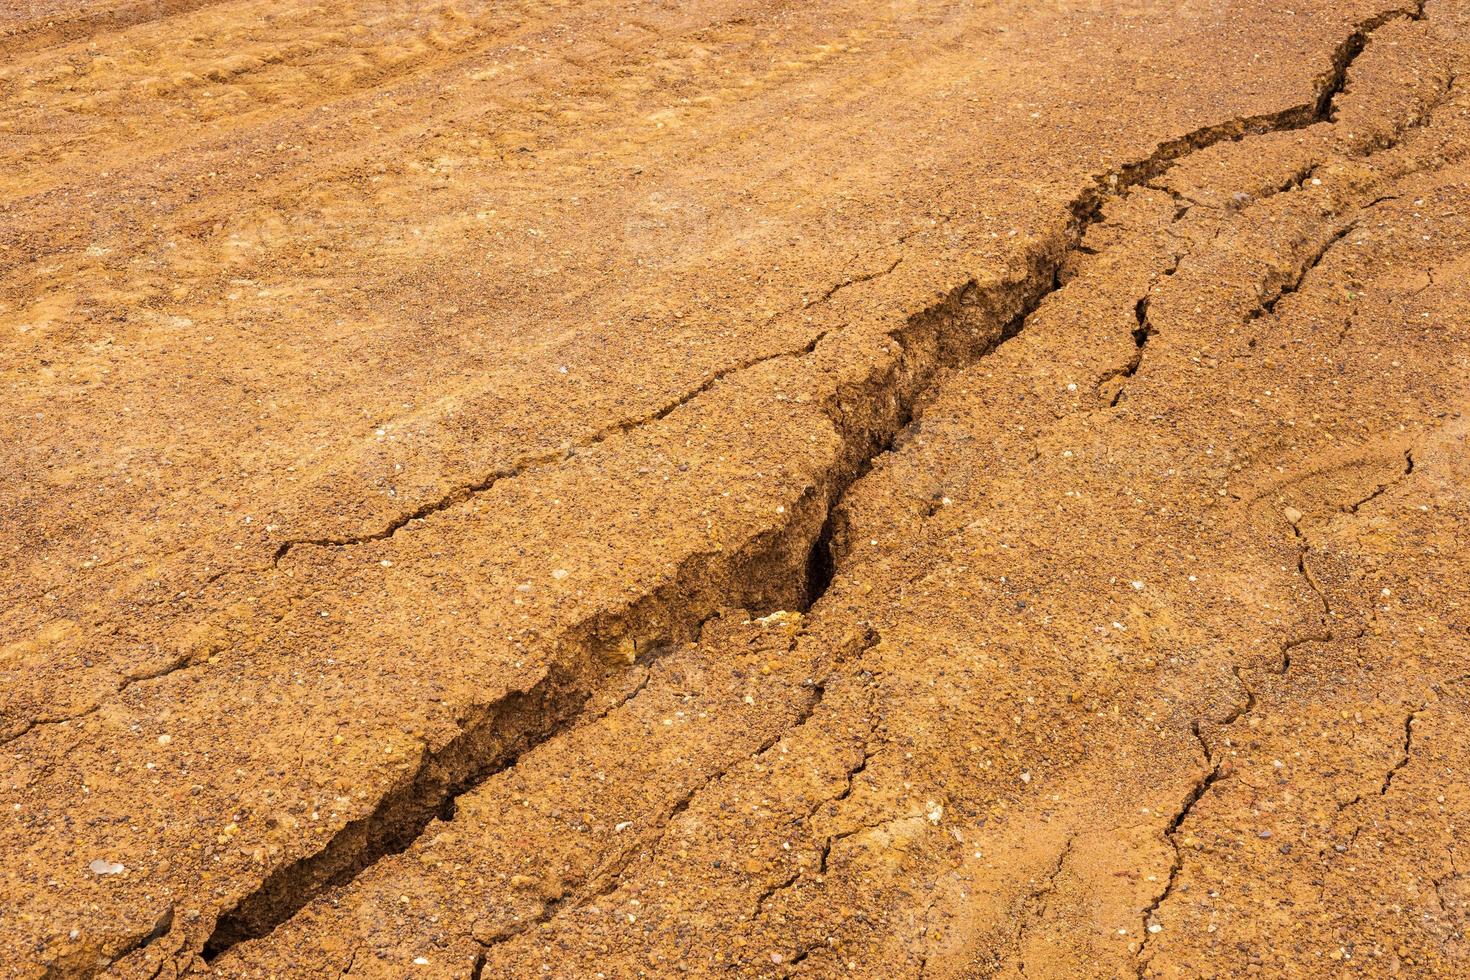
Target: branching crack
[[1085, 210], [1219, 769], [826, 850], [969, 322], [610, 876]]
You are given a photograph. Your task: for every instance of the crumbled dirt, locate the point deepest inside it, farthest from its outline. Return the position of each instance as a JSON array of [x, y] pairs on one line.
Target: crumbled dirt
[[628, 490]]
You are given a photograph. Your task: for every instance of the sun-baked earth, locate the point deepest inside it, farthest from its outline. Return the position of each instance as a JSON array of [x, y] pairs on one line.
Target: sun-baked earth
[[635, 489]]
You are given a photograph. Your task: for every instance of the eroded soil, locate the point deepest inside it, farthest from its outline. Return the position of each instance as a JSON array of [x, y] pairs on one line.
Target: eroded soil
[[614, 490]]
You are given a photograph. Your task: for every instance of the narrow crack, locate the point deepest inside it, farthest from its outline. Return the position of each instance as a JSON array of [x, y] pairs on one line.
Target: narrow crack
[[1244, 707], [1268, 306], [1217, 770], [1141, 333], [770, 891], [1443, 880], [855, 280], [1214, 773], [1420, 118], [351, 960], [1408, 748], [606, 879], [461, 494], [1284, 664], [172, 666], [1383, 488], [1039, 900], [612, 876], [824, 853], [849, 780], [1304, 548], [924, 934], [638, 689]]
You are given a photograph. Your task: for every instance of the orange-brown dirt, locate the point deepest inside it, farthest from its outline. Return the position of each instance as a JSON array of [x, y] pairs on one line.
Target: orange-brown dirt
[[531, 489]]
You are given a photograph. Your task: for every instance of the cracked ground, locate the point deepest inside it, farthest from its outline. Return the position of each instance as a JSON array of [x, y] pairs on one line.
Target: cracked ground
[[632, 490]]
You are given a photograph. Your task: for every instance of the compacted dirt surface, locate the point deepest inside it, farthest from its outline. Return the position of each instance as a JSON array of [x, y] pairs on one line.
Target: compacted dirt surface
[[633, 489]]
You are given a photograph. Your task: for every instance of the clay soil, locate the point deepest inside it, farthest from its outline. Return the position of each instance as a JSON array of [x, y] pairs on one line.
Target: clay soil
[[636, 489]]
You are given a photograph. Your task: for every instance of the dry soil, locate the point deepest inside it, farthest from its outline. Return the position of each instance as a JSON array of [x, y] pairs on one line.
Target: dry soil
[[634, 489]]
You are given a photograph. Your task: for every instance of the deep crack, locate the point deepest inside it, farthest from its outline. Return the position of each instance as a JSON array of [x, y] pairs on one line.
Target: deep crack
[[966, 324]]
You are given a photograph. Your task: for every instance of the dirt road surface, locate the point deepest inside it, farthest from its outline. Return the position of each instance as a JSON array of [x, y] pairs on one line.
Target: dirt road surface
[[920, 489]]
